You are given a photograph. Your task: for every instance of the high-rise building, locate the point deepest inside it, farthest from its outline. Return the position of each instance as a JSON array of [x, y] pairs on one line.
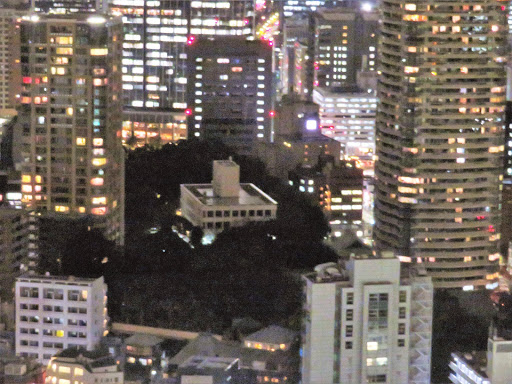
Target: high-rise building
[[230, 91], [70, 119], [155, 37], [345, 45], [348, 115], [367, 327], [439, 137], [54, 313]]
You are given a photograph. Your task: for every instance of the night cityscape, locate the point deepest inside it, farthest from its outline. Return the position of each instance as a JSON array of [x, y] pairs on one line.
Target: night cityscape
[[255, 191]]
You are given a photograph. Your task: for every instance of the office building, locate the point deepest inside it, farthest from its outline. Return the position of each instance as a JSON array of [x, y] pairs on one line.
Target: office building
[[348, 116], [338, 189], [77, 365], [68, 6], [225, 202], [153, 127], [230, 91], [292, 7], [54, 313], [439, 138], [345, 45], [363, 327], [70, 119], [155, 37], [303, 69]]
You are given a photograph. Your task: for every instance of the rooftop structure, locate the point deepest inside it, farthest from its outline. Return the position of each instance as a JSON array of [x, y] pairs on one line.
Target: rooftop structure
[[225, 202]]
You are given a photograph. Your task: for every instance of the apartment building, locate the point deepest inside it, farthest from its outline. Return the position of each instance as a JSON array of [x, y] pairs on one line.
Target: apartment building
[[54, 313], [367, 327]]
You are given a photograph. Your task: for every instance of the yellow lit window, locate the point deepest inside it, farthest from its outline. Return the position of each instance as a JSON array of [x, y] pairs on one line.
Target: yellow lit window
[[410, 7], [99, 51], [411, 69], [282, 346], [81, 209], [64, 51], [62, 40], [27, 188], [415, 18], [79, 372], [25, 178], [97, 142], [59, 333], [464, 70], [467, 259], [99, 161], [69, 111], [99, 200], [63, 369], [38, 179], [411, 49], [372, 346], [80, 141], [61, 208]]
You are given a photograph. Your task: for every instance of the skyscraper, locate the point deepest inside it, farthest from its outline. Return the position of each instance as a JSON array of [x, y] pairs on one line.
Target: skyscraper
[[440, 137], [230, 91], [70, 119]]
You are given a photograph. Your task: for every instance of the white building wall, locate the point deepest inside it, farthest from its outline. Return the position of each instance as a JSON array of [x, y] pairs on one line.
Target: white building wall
[[46, 325], [499, 361]]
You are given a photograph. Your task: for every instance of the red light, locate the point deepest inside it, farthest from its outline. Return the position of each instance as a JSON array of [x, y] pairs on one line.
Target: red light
[[246, 21], [271, 43], [27, 80], [272, 113], [503, 8], [191, 40], [188, 112]]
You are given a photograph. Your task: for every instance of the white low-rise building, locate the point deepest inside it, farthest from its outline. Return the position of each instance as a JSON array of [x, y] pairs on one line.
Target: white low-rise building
[[225, 202], [54, 313], [78, 366]]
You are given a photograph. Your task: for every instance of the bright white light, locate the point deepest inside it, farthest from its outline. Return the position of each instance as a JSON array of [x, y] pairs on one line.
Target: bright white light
[[311, 125], [366, 7], [96, 20]]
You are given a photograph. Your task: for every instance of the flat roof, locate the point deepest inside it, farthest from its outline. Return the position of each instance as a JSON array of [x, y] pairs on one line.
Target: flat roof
[[248, 195], [29, 278]]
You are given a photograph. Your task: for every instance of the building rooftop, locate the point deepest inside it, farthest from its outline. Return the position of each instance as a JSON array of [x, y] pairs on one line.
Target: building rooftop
[[143, 340], [249, 195], [66, 280], [273, 334], [209, 362], [88, 359], [207, 346]]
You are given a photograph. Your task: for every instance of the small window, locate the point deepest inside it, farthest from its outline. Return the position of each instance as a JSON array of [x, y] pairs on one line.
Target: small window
[[243, 213], [403, 297], [268, 213], [348, 331], [251, 213], [259, 213], [348, 345], [218, 213], [235, 213], [226, 213], [402, 312], [401, 329], [349, 315], [218, 225], [350, 298], [401, 342], [210, 213]]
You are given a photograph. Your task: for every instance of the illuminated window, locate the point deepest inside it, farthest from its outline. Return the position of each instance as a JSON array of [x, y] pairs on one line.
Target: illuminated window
[[97, 181], [25, 178], [99, 200], [99, 161], [97, 142], [59, 333], [61, 208], [80, 141], [372, 346], [410, 7], [79, 372], [99, 211], [63, 369], [99, 51]]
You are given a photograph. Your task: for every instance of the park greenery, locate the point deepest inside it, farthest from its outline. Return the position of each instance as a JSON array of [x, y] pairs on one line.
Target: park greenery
[[158, 279]]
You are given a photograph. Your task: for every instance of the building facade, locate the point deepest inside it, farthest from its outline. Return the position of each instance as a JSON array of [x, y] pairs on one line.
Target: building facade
[[360, 327], [440, 137], [54, 313], [230, 91], [155, 38], [345, 45], [348, 116], [70, 119]]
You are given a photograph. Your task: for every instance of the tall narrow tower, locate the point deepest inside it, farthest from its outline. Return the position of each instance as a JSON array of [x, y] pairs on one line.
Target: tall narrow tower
[[440, 136], [70, 118]]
